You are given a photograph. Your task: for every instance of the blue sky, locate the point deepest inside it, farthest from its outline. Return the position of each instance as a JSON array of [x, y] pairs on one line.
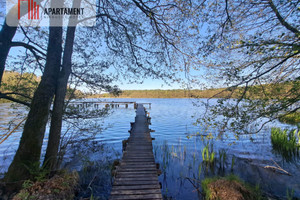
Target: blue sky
[[149, 84], [124, 85]]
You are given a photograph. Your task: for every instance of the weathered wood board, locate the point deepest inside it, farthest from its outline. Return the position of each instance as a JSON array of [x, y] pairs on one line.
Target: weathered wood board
[[136, 177]]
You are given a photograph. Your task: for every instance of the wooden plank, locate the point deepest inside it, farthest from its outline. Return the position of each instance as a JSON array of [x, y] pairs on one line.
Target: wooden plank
[[142, 196], [142, 140], [136, 175], [146, 157], [138, 160], [139, 152], [138, 163], [148, 148], [137, 170], [136, 155], [135, 187], [135, 182], [151, 178], [144, 191], [134, 144], [139, 149], [137, 166], [142, 145]]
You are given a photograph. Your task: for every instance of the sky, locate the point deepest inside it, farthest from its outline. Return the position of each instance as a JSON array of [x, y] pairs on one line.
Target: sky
[[147, 84]]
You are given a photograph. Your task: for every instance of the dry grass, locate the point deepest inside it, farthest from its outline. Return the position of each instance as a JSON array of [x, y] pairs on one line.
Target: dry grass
[[59, 187]]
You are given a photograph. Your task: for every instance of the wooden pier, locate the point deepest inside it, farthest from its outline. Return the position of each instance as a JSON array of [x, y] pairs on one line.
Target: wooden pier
[[112, 104], [136, 177]]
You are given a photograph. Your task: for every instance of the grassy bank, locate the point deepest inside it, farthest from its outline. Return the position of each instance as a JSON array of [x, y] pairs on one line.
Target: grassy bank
[[293, 118]]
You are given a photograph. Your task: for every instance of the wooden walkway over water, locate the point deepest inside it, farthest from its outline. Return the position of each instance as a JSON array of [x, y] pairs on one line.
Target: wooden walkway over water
[[137, 175], [113, 104]]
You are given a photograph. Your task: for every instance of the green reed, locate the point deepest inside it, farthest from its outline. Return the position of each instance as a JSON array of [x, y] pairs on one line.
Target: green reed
[[208, 155], [222, 157], [286, 142]]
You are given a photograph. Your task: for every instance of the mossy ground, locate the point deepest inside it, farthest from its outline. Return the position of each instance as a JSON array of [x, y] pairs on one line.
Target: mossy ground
[[230, 187], [61, 186]]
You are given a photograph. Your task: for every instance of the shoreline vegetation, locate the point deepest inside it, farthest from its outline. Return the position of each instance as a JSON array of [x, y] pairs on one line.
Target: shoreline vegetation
[[271, 91], [20, 85], [292, 118], [158, 93]]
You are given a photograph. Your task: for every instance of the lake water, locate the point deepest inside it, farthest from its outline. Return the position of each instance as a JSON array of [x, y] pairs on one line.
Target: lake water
[[176, 148]]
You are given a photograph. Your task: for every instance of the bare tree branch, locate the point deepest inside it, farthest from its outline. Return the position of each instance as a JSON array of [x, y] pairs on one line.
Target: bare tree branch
[[282, 21], [28, 46], [4, 96]]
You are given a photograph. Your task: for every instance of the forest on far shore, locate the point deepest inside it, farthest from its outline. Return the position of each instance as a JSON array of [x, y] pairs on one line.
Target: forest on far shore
[[272, 90], [22, 87]]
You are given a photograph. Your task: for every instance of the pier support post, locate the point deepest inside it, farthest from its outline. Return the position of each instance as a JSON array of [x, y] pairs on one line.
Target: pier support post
[[124, 144]]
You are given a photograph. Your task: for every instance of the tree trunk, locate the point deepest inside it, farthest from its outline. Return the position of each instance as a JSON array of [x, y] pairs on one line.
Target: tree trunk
[[6, 35], [50, 160], [8, 32], [29, 151]]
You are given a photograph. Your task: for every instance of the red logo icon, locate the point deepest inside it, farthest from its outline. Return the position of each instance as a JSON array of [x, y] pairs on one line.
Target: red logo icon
[[33, 9]]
